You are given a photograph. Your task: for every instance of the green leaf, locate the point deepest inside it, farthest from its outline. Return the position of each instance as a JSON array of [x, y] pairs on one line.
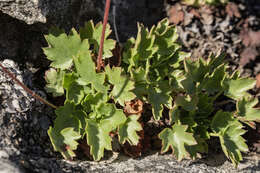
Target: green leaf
[[196, 70], [66, 118], [114, 117], [98, 139], [74, 91], [174, 115], [157, 98], [143, 48], [93, 34], [62, 48], [200, 147], [232, 142], [186, 102], [128, 130], [166, 45], [246, 110], [87, 71], [188, 85], [123, 86], [221, 121], [237, 89], [205, 106], [70, 137], [92, 101], [215, 61], [213, 82], [177, 138], [230, 133], [66, 130], [64, 141], [54, 79]]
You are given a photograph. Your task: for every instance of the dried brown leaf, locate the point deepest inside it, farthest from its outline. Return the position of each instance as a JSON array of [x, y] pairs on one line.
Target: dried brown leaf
[[248, 54], [133, 107], [232, 10], [176, 15], [258, 81], [195, 13], [250, 38], [255, 38]]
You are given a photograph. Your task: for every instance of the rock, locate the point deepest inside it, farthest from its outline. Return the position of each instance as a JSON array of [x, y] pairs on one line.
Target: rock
[[33, 11], [3, 154], [8, 167], [28, 11], [13, 94]]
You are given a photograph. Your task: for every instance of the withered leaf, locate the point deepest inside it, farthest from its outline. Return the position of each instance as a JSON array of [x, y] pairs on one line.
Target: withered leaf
[[250, 38], [248, 54], [258, 80], [133, 107], [232, 10], [176, 15]]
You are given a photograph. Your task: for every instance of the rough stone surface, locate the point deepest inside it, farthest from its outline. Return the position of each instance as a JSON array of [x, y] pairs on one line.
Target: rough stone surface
[[33, 11], [8, 167], [28, 11]]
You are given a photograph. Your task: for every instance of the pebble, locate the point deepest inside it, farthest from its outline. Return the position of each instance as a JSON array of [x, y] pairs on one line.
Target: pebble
[[8, 167], [3, 154]]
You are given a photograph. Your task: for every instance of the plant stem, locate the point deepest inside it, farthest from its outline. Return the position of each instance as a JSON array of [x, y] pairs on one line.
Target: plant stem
[[100, 51], [26, 88], [214, 134]]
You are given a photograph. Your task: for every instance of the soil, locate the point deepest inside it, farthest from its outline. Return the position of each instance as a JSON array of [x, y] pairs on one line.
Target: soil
[[234, 29]]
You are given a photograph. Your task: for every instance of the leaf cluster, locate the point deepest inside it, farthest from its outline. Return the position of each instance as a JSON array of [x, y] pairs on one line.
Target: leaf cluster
[[183, 91], [189, 90], [90, 111]]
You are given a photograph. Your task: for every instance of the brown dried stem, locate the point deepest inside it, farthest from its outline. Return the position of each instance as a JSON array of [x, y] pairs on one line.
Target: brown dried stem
[[26, 88], [100, 52]]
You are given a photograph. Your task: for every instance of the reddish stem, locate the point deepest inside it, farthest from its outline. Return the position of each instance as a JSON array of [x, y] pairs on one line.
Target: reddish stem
[[26, 88], [100, 52]]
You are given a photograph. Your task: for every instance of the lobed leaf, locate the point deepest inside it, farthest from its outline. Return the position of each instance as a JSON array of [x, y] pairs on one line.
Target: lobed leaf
[[93, 34], [246, 110], [54, 80], [86, 70], [177, 138], [66, 130], [237, 88], [98, 139], [62, 48], [128, 130], [113, 118], [230, 133], [122, 85], [157, 98], [64, 141], [74, 92]]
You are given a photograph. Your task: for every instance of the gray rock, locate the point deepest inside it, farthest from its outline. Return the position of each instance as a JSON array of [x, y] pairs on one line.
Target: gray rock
[[3, 154], [11, 105], [25, 10], [8, 167], [33, 11]]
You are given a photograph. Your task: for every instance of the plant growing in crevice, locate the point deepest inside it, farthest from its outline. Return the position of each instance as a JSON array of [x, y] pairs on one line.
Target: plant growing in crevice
[[90, 109], [167, 79], [154, 70]]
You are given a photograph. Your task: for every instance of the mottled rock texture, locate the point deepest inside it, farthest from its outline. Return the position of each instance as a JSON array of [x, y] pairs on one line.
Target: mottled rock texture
[[33, 11]]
